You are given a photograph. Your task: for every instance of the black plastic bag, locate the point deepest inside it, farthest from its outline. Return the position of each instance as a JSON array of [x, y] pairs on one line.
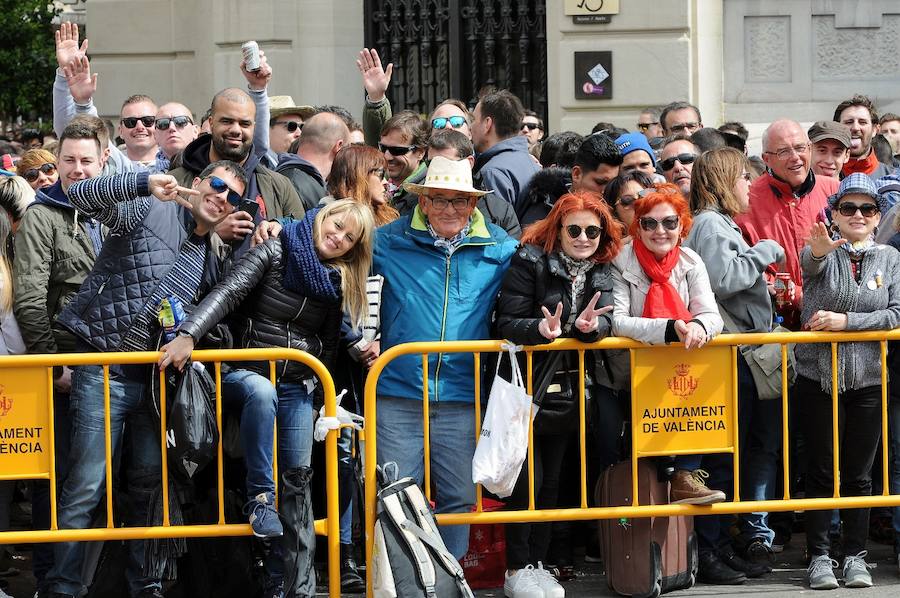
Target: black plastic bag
[[191, 432]]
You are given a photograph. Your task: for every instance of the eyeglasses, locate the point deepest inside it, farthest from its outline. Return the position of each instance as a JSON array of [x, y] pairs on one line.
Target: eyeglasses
[[786, 152], [459, 203], [626, 200], [591, 231], [290, 125], [642, 127], [180, 122], [379, 172], [530, 126], [396, 150], [455, 121], [692, 126], [669, 163], [218, 185], [849, 209], [131, 122], [31, 175], [651, 224]]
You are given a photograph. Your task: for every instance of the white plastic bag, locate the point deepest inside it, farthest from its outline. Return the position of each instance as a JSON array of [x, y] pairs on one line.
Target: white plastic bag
[[503, 443]]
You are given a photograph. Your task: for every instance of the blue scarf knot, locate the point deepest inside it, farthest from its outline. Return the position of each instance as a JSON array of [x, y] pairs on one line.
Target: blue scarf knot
[[304, 272]]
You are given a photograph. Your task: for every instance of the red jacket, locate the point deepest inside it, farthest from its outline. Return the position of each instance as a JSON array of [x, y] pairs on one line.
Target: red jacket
[[778, 213]]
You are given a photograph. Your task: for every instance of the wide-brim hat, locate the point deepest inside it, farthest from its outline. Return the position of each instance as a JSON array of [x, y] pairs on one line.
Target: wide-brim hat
[[279, 105], [451, 175]]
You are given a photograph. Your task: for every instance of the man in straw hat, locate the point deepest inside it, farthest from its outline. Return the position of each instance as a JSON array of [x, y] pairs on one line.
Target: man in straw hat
[[442, 265]]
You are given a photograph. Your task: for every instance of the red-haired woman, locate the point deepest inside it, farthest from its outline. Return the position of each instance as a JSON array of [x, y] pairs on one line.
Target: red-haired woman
[[559, 284], [358, 173]]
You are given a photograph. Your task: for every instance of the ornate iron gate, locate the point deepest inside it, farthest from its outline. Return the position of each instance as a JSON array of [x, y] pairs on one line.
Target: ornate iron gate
[[452, 48]]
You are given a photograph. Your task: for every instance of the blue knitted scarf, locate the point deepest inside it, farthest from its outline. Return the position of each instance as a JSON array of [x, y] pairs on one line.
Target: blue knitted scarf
[[304, 272]]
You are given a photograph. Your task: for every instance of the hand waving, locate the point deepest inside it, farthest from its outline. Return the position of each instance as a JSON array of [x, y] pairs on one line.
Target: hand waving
[[588, 320], [67, 48], [375, 78], [550, 327], [165, 187], [82, 83], [820, 241]]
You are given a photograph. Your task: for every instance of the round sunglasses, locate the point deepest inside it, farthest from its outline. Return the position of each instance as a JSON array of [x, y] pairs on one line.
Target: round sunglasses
[[31, 175], [574, 231], [455, 121]]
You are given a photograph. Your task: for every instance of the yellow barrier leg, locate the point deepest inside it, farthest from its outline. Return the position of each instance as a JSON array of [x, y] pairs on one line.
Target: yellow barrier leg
[[110, 517], [51, 449]]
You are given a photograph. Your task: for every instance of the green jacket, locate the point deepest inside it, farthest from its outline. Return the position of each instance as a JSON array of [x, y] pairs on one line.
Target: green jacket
[[55, 249], [375, 114]]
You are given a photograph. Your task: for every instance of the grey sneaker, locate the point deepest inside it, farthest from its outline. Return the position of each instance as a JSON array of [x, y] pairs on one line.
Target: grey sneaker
[[856, 571], [820, 574]]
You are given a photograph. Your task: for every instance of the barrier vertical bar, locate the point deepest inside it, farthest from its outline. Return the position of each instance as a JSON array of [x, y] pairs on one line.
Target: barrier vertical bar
[[274, 435], [736, 405], [785, 439], [529, 367], [164, 453], [835, 447], [426, 423], [885, 439], [51, 429], [220, 465], [110, 518], [582, 428], [332, 507], [634, 435], [478, 505]]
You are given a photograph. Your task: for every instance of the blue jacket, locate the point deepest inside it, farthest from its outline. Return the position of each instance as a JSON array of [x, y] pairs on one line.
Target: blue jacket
[[506, 169], [430, 296]]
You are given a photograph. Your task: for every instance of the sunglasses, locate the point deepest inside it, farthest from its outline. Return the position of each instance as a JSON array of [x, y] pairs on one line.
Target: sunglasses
[[530, 126], [591, 231], [651, 224], [669, 163], [849, 209], [646, 126], [379, 172], [440, 122], [218, 185], [396, 150], [291, 125], [131, 122], [626, 200], [180, 122], [31, 175]]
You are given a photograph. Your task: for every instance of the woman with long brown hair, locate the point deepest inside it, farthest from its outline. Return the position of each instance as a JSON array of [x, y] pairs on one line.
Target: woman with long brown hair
[[358, 173]]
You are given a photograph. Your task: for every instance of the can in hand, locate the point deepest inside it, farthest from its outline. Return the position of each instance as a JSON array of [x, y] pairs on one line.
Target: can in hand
[[250, 50]]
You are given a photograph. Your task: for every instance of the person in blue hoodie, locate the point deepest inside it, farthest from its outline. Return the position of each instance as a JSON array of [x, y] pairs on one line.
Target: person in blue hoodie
[[55, 249]]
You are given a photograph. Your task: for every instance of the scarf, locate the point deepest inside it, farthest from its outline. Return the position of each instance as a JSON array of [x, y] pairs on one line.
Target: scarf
[[865, 165], [577, 271], [663, 300], [304, 272], [449, 245]]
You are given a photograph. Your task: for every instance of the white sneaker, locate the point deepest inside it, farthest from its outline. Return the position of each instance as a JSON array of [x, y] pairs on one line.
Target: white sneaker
[[548, 583], [522, 584]]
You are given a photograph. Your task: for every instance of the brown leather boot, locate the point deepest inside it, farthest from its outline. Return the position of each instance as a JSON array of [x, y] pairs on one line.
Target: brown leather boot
[[689, 488]]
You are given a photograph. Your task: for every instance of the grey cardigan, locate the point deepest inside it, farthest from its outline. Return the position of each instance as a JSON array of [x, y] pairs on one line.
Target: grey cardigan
[[867, 308], [735, 269]]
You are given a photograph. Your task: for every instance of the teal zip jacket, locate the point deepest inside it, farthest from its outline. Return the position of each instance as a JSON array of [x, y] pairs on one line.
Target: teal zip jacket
[[430, 296]]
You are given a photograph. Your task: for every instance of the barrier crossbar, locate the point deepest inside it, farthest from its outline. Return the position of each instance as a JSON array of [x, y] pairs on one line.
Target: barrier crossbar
[[586, 512], [329, 527]]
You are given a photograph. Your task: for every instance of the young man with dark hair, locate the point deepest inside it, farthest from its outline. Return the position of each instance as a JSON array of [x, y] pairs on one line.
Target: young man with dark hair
[[889, 125], [503, 163], [404, 139], [596, 163], [532, 128], [859, 113]]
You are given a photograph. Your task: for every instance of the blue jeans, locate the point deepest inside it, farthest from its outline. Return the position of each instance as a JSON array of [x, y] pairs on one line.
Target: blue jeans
[[257, 402], [85, 484], [400, 439], [894, 433]]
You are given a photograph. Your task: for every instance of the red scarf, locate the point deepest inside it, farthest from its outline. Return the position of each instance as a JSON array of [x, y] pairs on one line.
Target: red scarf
[[663, 300], [865, 165]]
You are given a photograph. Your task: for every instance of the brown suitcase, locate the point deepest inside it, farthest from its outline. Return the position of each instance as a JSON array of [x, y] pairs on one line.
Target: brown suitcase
[[644, 556]]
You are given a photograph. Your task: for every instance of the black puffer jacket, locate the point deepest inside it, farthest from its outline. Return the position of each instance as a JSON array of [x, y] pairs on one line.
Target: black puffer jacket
[[535, 279], [547, 185], [269, 315]]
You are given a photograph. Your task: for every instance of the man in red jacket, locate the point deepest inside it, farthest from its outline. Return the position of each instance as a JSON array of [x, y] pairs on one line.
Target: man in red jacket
[[785, 202]]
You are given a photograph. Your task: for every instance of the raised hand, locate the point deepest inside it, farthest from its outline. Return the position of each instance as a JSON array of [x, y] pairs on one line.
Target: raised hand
[[588, 320], [165, 187], [257, 80], [375, 78], [264, 231], [820, 241], [550, 327], [691, 334], [82, 84], [67, 48]]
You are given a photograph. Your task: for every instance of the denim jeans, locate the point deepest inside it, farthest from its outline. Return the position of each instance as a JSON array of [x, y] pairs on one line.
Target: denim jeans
[[85, 484], [894, 419], [452, 429]]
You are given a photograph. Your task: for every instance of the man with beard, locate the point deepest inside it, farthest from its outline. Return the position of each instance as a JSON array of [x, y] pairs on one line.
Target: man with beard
[[860, 115], [231, 138]]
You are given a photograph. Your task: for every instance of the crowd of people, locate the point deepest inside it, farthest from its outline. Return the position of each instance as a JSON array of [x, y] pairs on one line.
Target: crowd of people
[[283, 225]]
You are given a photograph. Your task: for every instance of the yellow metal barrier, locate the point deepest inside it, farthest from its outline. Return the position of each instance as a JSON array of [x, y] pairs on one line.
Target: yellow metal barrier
[[727, 399], [17, 374]]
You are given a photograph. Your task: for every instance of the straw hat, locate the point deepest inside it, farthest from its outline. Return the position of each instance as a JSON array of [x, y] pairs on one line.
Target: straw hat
[[451, 175], [279, 105]]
